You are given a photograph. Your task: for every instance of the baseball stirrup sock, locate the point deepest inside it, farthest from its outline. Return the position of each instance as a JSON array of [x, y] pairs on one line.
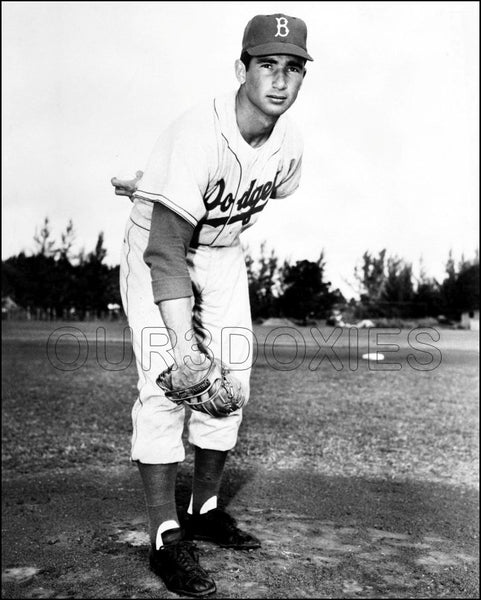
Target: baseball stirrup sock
[[209, 504], [208, 469], [167, 526], [159, 490]]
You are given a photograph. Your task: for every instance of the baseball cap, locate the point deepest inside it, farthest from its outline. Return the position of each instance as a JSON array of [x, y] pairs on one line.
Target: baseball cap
[[275, 34]]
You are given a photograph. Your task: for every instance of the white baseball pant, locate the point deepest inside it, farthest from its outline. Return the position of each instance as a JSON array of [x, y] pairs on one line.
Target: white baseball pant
[[221, 308]]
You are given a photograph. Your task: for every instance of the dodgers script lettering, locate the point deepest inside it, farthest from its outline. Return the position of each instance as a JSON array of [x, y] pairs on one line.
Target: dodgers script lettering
[[249, 199]]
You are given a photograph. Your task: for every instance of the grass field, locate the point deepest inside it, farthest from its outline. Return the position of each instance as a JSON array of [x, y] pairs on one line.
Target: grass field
[[361, 482]]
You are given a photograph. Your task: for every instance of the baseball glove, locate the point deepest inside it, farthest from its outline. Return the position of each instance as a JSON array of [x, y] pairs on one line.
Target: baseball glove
[[218, 394]]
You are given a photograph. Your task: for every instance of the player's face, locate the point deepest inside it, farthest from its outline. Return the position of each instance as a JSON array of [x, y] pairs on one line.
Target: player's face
[[273, 82]]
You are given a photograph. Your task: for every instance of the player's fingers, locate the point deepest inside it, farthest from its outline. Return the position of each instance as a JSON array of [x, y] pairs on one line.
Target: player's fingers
[[116, 182], [123, 192]]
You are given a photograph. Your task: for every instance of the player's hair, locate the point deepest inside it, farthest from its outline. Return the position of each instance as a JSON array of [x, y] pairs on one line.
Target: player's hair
[[246, 59]]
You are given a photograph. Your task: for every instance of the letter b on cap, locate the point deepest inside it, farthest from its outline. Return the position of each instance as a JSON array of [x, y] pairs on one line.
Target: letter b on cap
[[282, 29]]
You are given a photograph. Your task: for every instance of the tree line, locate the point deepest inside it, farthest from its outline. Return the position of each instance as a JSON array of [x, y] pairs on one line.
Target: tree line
[[55, 279], [385, 285], [58, 282], [388, 288]]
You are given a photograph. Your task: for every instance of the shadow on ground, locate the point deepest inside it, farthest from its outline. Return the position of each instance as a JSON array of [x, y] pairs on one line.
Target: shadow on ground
[[81, 534]]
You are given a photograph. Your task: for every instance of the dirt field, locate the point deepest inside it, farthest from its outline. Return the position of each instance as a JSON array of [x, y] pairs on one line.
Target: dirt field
[[361, 482]]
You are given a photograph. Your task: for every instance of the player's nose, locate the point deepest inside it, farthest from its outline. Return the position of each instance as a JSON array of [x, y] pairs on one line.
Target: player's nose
[[280, 81]]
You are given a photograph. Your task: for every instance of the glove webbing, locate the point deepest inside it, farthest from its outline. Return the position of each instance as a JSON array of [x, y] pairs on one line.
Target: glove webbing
[[192, 391]]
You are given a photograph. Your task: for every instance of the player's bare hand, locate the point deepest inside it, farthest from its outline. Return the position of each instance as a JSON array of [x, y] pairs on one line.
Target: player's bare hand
[[191, 371], [126, 187]]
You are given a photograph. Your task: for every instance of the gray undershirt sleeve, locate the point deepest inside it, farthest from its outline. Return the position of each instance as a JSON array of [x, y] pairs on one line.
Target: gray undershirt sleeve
[[166, 253]]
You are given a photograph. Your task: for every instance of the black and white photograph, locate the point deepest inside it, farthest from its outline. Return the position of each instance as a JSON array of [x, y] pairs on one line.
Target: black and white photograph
[[240, 299]]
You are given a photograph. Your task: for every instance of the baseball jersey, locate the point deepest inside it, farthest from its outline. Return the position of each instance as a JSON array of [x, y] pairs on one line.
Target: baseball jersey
[[202, 169]]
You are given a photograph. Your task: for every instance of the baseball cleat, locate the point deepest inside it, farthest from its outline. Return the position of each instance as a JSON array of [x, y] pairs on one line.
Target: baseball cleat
[[219, 527], [177, 564]]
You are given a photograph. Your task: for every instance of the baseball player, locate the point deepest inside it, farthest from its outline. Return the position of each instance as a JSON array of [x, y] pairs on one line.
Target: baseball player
[[184, 287]]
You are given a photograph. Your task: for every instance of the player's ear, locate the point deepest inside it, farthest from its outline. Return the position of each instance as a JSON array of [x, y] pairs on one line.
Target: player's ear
[[240, 71]]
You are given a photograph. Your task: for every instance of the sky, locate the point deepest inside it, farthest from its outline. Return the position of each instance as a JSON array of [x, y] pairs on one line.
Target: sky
[[389, 112]]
